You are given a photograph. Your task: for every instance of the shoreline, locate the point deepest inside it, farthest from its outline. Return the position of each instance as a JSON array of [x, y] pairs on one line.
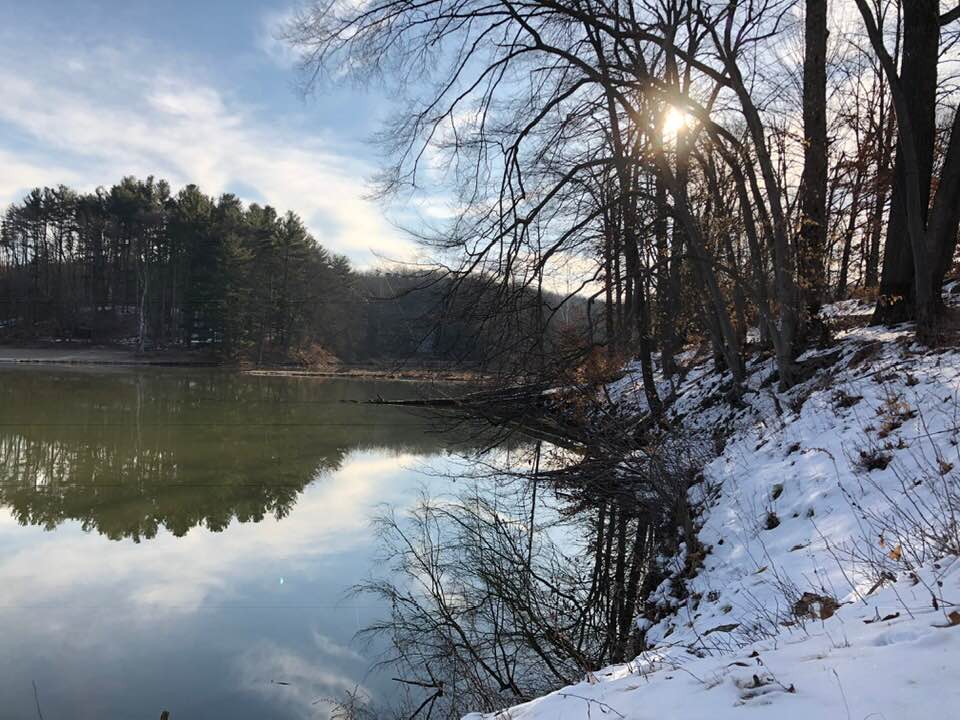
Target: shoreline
[[360, 372], [107, 356], [102, 355]]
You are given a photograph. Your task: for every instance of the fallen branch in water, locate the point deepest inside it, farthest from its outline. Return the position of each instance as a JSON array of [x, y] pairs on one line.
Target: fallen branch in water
[[36, 699]]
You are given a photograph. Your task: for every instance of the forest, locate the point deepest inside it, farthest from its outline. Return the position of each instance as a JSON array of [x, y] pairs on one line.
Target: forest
[[141, 265]]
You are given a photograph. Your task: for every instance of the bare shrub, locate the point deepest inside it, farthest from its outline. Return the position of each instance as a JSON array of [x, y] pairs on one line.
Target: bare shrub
[[908, 527], [872, 458]]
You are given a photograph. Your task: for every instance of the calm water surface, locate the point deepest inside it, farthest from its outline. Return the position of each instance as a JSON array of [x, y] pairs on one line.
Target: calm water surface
[[183, 540]]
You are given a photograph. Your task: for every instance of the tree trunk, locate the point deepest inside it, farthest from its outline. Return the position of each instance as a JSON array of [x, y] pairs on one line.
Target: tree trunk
[[142, 321], [875, 224], [812, 240], [619, 588], [841, 291], [608, 282], [945, 215], [629, 609], [921, 43], [666, 300]]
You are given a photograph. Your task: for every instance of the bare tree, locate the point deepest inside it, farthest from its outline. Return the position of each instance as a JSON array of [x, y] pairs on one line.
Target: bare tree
[[921, 235]]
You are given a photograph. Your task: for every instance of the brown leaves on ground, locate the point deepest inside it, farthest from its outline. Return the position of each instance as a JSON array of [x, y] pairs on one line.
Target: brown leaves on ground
[[819, 607]]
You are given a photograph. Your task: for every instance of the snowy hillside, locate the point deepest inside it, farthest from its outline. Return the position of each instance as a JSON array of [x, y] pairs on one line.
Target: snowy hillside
[[828, 583]]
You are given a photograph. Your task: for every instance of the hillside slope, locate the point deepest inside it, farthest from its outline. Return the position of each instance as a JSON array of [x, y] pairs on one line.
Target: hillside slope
[[828, 583]]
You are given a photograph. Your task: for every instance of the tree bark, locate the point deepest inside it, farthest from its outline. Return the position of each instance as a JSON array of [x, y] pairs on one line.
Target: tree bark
[[841, 291], [666, 300], [812, 239], [921, 43]]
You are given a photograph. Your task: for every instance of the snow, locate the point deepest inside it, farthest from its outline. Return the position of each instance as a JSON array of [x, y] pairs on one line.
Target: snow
[[848, 308], [734, 645]]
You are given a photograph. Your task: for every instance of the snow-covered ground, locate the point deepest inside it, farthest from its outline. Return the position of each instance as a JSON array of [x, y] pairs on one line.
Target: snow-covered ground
[[824, 591], [848, 308]]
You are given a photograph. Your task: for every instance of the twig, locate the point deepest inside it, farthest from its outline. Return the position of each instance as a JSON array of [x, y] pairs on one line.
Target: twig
[[429, 701], [842, 693], [602, 705], [36, 699]]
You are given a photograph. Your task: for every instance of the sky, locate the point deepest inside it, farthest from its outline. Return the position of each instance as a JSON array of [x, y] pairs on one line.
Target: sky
[[193, 91]]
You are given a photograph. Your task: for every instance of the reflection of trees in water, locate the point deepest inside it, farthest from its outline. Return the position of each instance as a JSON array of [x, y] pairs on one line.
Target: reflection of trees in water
[[122, 491], [128, 453]]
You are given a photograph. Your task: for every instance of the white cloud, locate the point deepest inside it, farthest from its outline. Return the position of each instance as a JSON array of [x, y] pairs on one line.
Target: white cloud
[[269, 41], [20, 173], [111, 112], [329, 646], [187, 102]]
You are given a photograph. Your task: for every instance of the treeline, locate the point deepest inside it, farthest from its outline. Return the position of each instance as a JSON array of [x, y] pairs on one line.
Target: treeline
[[183, 269], [156, 269]]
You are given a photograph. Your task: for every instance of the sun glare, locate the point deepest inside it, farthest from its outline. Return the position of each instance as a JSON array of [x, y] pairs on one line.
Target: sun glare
[[675, 120]]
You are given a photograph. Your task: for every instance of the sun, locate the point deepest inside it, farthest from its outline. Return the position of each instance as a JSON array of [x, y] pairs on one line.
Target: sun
[[675, 120]]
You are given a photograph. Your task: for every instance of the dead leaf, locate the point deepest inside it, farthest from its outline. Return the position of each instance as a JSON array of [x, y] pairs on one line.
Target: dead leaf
[[817, 606], [953, 619], [885, 618], [896, 553]]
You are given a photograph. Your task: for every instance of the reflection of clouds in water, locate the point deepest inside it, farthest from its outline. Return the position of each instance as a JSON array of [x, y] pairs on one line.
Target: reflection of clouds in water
[[331, 647], [169, 574], [304, 682]]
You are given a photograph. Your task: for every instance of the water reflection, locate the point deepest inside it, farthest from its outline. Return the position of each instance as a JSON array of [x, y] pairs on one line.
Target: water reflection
[[183, 540], [126, 454]]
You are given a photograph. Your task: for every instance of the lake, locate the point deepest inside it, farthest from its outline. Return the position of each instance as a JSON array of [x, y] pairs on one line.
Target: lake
[[184, 539]]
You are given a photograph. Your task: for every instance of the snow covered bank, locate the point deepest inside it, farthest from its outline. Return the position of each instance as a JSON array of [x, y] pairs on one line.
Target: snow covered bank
[[828, 583]]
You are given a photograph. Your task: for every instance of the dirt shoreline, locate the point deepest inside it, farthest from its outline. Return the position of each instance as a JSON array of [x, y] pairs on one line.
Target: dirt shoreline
[[362, 372], [112, 356]]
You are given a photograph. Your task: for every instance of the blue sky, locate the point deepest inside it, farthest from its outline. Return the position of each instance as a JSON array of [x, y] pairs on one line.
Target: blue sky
[[201, 91]]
